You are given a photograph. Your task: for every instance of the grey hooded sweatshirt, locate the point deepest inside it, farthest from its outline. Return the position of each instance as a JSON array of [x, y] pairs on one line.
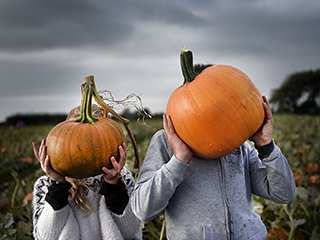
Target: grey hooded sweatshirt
[[211, 198]]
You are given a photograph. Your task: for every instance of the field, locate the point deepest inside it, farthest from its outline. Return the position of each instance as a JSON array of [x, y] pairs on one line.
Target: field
[[297, 136]]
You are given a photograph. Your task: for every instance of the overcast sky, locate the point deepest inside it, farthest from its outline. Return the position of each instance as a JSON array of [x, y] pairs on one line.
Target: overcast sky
[[47, 48]]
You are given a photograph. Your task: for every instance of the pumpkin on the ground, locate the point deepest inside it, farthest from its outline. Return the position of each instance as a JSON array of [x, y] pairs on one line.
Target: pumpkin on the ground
[[215, 111]]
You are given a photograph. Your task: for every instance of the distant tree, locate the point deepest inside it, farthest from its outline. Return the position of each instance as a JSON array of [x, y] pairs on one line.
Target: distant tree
[[299, 93], [35, 118]]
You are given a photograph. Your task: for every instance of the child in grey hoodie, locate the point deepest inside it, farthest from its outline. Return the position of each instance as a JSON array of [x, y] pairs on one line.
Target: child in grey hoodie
[[211, 198]]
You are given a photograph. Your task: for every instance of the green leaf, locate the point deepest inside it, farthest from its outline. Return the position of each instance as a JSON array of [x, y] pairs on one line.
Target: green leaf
[[23, 229], [313, 192], [12, 232], [299, 222], [257, 207], [315, 235], [17, 211], [317, 201], [7, 220], [302, 193]]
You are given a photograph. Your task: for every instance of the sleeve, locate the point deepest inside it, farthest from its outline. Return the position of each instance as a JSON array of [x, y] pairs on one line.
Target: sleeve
[[127, 222], [116, 196], [271, 176], [48, 223], [266, 150], [58, 194], [158, 179]]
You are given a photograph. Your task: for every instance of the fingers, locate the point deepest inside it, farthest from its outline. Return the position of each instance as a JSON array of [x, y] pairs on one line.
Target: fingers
[[112, 175], [41, 152], [180, 149], [167, 123], [268, 112], [46, 167], [35, 150], [123, 157], [123, 151], [44, 159], [168, 126]]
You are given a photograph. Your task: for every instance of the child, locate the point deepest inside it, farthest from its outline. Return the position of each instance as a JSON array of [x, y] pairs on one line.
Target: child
[[211, 198], [93, 208]]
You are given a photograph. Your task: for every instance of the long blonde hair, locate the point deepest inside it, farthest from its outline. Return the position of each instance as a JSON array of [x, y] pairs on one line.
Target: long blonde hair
[[76, 190]]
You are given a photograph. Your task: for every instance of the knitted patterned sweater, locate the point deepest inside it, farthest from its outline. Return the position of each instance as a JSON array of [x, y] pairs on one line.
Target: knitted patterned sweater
[[67, 223]]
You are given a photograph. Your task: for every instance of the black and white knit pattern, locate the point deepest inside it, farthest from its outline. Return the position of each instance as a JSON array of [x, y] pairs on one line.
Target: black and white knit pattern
[[42, 184]]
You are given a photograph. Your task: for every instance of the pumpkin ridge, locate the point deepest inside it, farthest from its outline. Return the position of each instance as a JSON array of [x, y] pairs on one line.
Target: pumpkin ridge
[[118, 131], [104, 130], [94, 150], [237, 110], [212, 81], [257, 106], [226, 143], [56, 132], [76, 156], [190, 133], [246, 123], [232, 79], [213, 141], [252, 119], [70, 136]]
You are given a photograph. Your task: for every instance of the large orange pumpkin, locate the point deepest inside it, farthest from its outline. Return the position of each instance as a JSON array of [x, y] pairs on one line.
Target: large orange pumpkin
[[215, 111], [80, 148]]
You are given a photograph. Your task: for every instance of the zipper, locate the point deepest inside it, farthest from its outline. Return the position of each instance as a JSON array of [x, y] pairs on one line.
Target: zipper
[[226, 202]]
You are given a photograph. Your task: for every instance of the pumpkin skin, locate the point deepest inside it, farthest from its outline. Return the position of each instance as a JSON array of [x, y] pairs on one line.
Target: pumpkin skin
[[80, 150], [217, 111]]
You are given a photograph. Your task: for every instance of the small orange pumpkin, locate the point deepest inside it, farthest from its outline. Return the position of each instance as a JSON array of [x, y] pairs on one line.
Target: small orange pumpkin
[[80, 148], [215, 111]]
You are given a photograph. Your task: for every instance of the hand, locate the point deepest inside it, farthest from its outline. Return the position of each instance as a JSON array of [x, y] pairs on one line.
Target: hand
[[264, 135], [111, 176], [44, 159], [180, 149]]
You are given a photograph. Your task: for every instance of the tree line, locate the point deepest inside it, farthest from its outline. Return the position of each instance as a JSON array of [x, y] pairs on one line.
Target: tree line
[[299, 93]]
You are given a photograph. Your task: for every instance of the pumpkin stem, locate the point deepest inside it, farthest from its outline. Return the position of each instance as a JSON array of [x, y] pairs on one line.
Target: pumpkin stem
[[124, 121], [186, 62], [86, 109]]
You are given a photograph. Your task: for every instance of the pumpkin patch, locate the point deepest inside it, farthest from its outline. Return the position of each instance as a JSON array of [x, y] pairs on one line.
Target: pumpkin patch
[[215, 111]]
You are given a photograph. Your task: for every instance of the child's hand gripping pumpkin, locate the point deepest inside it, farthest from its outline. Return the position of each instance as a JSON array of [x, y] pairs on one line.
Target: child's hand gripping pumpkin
[[111, 176], [180, 149], [264, 135], [44, 159]]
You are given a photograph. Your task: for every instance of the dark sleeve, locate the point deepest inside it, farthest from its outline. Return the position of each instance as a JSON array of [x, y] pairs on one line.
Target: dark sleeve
[[264, 151], [116, 196], [57, 195]]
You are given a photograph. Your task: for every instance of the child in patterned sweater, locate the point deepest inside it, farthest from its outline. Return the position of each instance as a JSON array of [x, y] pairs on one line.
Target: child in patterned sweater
[[93, 208]]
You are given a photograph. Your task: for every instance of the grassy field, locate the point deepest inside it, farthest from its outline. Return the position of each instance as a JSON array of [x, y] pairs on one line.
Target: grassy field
[[297, 136]]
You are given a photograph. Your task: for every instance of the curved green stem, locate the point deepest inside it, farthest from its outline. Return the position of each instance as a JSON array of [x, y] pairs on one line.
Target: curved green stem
[[86, 109], [15, 176], [292, 226], [186, 62], [124, 121], [162, 229]]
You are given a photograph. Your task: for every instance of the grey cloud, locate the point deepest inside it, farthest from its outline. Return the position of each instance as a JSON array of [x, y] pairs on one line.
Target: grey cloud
[[48, 47], [38, 25]]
